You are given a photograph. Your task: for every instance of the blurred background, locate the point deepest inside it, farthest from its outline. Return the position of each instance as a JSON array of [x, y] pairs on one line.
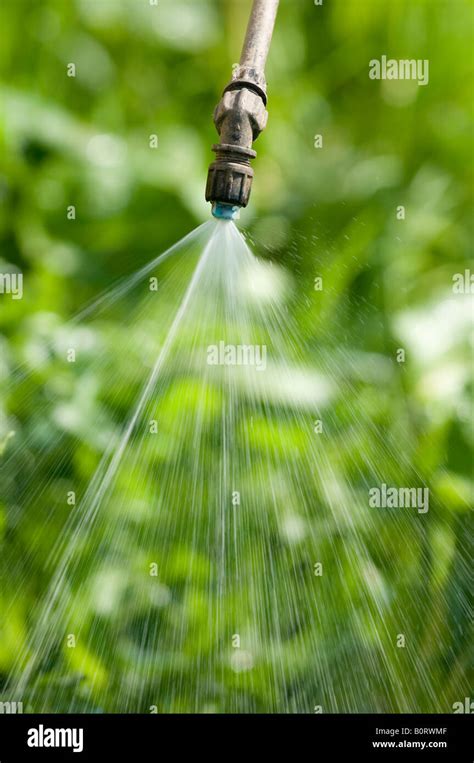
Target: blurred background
[[325, 212]]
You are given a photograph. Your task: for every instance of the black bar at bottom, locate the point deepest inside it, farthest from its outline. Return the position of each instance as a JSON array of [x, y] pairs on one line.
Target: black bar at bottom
[[311, 737]]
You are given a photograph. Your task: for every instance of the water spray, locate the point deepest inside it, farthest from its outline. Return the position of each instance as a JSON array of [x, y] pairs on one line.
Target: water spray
[[240, 116]]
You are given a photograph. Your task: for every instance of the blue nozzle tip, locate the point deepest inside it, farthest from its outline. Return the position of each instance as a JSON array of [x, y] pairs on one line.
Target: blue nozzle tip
[[225, 211]]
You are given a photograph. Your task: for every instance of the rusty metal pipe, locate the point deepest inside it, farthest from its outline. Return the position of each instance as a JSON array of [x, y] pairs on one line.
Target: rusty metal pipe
[[259, 34], [240, 117]]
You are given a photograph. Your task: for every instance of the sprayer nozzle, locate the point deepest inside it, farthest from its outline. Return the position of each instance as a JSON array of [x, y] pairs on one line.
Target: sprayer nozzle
[[229, 179], [240, 116], [225, 211]]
